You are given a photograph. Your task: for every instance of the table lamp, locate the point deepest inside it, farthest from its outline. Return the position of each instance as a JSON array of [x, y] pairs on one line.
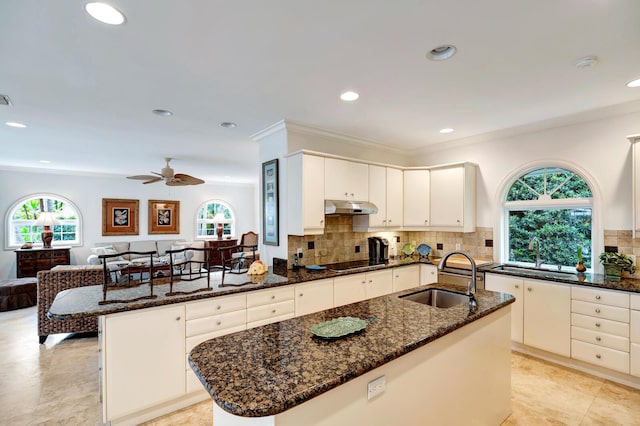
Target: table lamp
[[220, 220], [46, 220]]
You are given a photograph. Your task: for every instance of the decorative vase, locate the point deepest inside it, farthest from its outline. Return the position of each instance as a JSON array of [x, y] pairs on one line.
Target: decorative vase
[[580, 266], [612, 271]]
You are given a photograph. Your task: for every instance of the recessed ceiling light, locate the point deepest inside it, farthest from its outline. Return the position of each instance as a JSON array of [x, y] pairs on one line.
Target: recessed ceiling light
[[14, 124], [105, 13], [45, 161], [634, 83], [228, 125], [441, 53], [446, 130], [586, 61], [349, 96], [162, 112]]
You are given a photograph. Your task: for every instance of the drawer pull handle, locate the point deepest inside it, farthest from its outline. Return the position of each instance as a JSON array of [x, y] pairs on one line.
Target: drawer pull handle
[[364, 282], [273, 297], [219, 323], [397, 276], [598, 356], [517, 285], [597, 324], [597, 310], [529, 288], [301, 294], [177, 318], [218, 307], [273, 312], [370, 281], [598, 297], [598, 338]]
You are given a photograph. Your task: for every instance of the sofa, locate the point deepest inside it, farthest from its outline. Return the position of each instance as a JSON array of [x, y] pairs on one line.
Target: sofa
[[159, 246], [63, 277]]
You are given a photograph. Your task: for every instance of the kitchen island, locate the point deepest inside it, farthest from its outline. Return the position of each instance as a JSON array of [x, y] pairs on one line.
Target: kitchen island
[[441, 366]]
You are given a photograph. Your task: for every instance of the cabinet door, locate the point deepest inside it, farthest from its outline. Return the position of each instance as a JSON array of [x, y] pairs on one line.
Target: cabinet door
[[144, 359], [349, 289], [428, 274], [513, 286], [305, 195], [634, 362], [547, 316], [314, 296], [358, 181], [379, 283], [378, 196], [406, 277], [336, 178], [416, 198], [447, 196], [394, 197]]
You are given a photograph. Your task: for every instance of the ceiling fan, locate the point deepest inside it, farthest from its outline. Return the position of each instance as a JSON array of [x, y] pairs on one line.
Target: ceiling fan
[[170, 178]]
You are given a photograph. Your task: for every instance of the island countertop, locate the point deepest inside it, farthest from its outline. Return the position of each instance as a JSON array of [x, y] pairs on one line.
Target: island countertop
[[266, 370]]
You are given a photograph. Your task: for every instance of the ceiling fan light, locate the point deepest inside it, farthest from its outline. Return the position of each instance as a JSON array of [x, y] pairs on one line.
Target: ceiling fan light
[[634, 83], [104, 13]]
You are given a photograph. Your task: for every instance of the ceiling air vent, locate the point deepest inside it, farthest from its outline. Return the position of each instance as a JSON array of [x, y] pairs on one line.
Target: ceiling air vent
[[4, 100]]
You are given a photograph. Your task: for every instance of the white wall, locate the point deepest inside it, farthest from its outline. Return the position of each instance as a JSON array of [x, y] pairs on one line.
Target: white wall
[[599, 147], [86, 192]]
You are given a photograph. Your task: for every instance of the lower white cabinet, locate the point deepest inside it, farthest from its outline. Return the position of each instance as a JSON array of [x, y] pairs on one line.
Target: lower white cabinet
[[143, 359], [513, 286], [357, 287], [634, 363], [406, 277], [269, 306], [313, 296], [379, 283], [428, 274]]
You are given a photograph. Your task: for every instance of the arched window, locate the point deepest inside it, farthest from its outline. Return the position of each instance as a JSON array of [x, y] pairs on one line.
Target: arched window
[[548, 217], [210, 214], [22, 216]]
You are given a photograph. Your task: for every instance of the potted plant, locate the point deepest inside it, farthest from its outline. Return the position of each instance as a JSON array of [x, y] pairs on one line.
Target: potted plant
[[614, 263], [580, 266]]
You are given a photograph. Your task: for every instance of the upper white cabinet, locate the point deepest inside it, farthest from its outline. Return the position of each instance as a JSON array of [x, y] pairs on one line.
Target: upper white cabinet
[[305, 194], [453, 198], [385, 191], [345, 180], [635, 149], [416, 199]]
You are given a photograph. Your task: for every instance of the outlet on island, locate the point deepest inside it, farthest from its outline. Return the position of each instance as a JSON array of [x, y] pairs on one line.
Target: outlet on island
[[299, 252]]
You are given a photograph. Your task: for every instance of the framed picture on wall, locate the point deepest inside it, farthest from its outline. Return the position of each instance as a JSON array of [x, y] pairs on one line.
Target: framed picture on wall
[[119, 216], [164, 217], [270, 202]]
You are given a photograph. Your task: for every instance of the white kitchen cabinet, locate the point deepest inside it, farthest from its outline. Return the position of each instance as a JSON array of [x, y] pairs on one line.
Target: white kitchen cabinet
[[634, 362], [452, 195], [416, 199], [428, 274], [349, 289], [345, 180], [547, 316], [385, 191], [379, 283], [137, 347], [635, 184], [406, 277], [313, 296], [515, 287], [305, 194], [269, 306]]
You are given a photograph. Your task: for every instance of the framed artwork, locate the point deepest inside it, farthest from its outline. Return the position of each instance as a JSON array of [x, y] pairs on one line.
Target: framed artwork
[[270, 202], [119, 216], [164, 217]]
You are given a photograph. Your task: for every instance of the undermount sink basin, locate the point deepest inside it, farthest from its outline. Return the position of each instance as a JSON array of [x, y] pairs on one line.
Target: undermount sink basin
[[534, 271], [437, 298]]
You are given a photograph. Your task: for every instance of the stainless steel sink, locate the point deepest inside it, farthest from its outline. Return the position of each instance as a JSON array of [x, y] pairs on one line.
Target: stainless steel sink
[[437, 298], [533, 271]]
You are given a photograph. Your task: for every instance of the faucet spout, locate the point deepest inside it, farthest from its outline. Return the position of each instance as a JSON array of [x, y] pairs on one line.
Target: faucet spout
[[471, 286], [537, 242]]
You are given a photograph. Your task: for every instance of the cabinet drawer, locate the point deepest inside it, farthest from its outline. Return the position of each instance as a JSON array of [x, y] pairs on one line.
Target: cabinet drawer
[[215, 306], [193, 341], [269, 320], [635, 359], [215, 323], [270, 311], [602, 325], [601, 339], [600, 311], [635, 326], [598, 355], [605, 297], [266, 297], [635, 302]]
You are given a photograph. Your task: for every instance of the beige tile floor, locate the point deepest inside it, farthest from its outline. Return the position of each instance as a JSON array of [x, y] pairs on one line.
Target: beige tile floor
[[57, 384]]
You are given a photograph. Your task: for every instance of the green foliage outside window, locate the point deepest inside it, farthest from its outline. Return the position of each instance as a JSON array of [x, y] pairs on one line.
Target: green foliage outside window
[[25, 215]]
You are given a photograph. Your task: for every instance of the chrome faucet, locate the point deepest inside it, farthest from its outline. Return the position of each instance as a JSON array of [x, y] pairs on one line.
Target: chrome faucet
[[537, 241], [471, 286]]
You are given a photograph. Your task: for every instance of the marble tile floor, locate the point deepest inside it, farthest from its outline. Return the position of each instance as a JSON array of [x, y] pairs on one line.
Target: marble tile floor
[[57, 384]]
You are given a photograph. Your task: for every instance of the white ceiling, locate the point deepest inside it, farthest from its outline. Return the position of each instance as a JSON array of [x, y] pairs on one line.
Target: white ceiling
[[86, 89]]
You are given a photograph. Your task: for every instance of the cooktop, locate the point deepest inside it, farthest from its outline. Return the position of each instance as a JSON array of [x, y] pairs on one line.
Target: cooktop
[[354, 264]]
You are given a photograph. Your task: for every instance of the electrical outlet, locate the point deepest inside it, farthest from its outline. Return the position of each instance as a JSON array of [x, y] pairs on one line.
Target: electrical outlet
[[376, 387], [457, 246], [299, 252]]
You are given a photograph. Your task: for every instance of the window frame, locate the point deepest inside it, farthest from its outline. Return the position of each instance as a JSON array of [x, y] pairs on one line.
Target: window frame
[[8, 222], [501, 228], [198, 221]]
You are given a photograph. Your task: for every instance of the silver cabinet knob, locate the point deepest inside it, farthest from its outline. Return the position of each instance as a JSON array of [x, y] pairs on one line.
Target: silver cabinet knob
[[598, 297], [177, 318], [370, 281], [384, 221], [273, 312], [364, 282], [389, 220], [346, 194], [397, 276], [598, 356], [219, 323], [517, 286], [598, 338], [273, 297], [218, 307], [529, 288], [322, 221], [301, 294], [597, 310], [597, 324]]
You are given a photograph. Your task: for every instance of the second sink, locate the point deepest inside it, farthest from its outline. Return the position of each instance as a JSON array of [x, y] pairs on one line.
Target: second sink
[[437, 298]]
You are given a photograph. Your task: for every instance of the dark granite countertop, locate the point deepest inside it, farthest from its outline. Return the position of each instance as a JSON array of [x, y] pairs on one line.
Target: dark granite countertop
[[266, 370], [589, 280]]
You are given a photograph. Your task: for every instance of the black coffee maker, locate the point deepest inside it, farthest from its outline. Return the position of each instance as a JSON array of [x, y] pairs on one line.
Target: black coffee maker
[[378, 250]]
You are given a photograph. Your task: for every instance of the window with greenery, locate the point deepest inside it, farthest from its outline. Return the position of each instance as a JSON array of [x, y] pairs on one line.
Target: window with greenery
[[23, 215], [207, 223], [553, 205]]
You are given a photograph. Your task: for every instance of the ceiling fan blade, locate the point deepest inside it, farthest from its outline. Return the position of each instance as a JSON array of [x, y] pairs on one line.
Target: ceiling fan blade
[[175, 182], [152, 180], [188, 180], [141, 177]]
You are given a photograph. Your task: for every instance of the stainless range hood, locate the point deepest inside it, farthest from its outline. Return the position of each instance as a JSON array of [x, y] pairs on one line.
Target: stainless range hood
[[343, 207]]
